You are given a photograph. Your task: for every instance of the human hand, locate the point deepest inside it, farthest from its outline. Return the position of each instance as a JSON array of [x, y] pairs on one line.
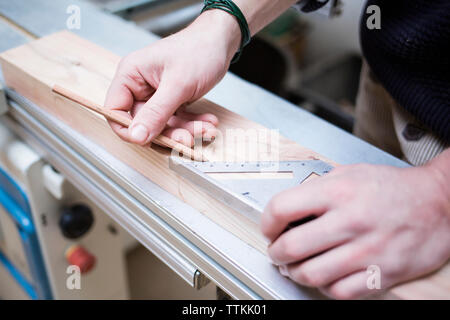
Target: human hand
[[152, 84], [396, 219]]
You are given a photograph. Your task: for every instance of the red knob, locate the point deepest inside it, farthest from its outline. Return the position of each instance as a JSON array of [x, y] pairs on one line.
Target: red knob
[[79, 256]]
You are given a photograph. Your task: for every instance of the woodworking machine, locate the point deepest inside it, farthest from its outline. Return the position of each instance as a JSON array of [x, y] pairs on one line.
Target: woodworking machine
[[109, 195]]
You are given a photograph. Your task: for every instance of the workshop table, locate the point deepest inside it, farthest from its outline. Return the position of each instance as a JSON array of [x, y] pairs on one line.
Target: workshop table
[[188, 242]]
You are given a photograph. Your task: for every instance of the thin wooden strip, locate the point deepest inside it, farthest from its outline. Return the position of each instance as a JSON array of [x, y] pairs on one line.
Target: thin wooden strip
[[126, 122]]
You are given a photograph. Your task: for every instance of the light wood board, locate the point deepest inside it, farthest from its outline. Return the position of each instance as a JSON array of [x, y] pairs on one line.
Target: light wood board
[[87, 69]]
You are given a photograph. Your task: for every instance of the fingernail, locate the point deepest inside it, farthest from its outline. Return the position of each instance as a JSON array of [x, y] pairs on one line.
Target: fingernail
[[210, 135], [283, 270], [139, 133], [150, 137]]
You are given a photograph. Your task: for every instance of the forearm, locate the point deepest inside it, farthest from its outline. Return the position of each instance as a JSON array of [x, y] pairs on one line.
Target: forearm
[[259, 13], [223, 27]]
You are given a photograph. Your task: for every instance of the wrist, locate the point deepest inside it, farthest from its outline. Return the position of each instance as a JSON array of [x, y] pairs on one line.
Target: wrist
[[440, 167], [439, 171], [224, 29]]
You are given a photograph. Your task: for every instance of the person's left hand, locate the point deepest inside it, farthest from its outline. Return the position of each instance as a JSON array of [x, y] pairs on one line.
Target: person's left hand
[[396, 219]]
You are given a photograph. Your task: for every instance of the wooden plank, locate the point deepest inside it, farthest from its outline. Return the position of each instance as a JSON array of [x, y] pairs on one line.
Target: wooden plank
[[83, 67], [87, 69]]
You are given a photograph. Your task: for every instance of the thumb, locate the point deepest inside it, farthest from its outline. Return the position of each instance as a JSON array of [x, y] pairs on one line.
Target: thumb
[[154, 114]]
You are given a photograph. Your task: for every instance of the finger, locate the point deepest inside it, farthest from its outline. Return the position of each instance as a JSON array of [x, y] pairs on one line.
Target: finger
[[153, 116], [180, 135], [136, 107], [330, 266], [196, 128], [283, 270], [210, 134], [119, 96], [125, 90], [292, 205], [207, 117], [119, 129], [120, 99], [309, 239], [354, 286]]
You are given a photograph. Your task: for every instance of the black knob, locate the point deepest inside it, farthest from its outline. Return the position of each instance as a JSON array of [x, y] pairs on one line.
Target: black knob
[[76, 220]]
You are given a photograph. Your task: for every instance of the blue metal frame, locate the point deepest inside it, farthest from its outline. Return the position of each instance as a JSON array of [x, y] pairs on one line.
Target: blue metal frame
[[18, 276], [15, 202]]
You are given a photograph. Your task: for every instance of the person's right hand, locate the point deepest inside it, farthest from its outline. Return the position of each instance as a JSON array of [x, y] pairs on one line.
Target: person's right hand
[[151, 84]]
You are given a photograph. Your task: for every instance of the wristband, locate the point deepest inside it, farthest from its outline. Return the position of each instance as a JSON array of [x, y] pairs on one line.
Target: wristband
[[230, 7]]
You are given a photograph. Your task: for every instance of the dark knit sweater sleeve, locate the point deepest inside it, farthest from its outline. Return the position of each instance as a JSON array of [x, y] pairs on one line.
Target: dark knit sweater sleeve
[[410, 55], [311, 5]]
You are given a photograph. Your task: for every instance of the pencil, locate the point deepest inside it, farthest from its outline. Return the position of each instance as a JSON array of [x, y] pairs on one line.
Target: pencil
[[126, 122]]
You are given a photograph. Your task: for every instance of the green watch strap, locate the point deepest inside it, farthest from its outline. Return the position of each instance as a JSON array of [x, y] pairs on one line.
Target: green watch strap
[[230, 7]]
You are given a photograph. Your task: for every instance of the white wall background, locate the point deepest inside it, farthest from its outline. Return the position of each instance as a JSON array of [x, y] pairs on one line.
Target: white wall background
[[329, 37]]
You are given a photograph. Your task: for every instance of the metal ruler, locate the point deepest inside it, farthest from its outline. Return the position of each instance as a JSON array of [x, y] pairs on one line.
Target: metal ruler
[[247, 196]]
